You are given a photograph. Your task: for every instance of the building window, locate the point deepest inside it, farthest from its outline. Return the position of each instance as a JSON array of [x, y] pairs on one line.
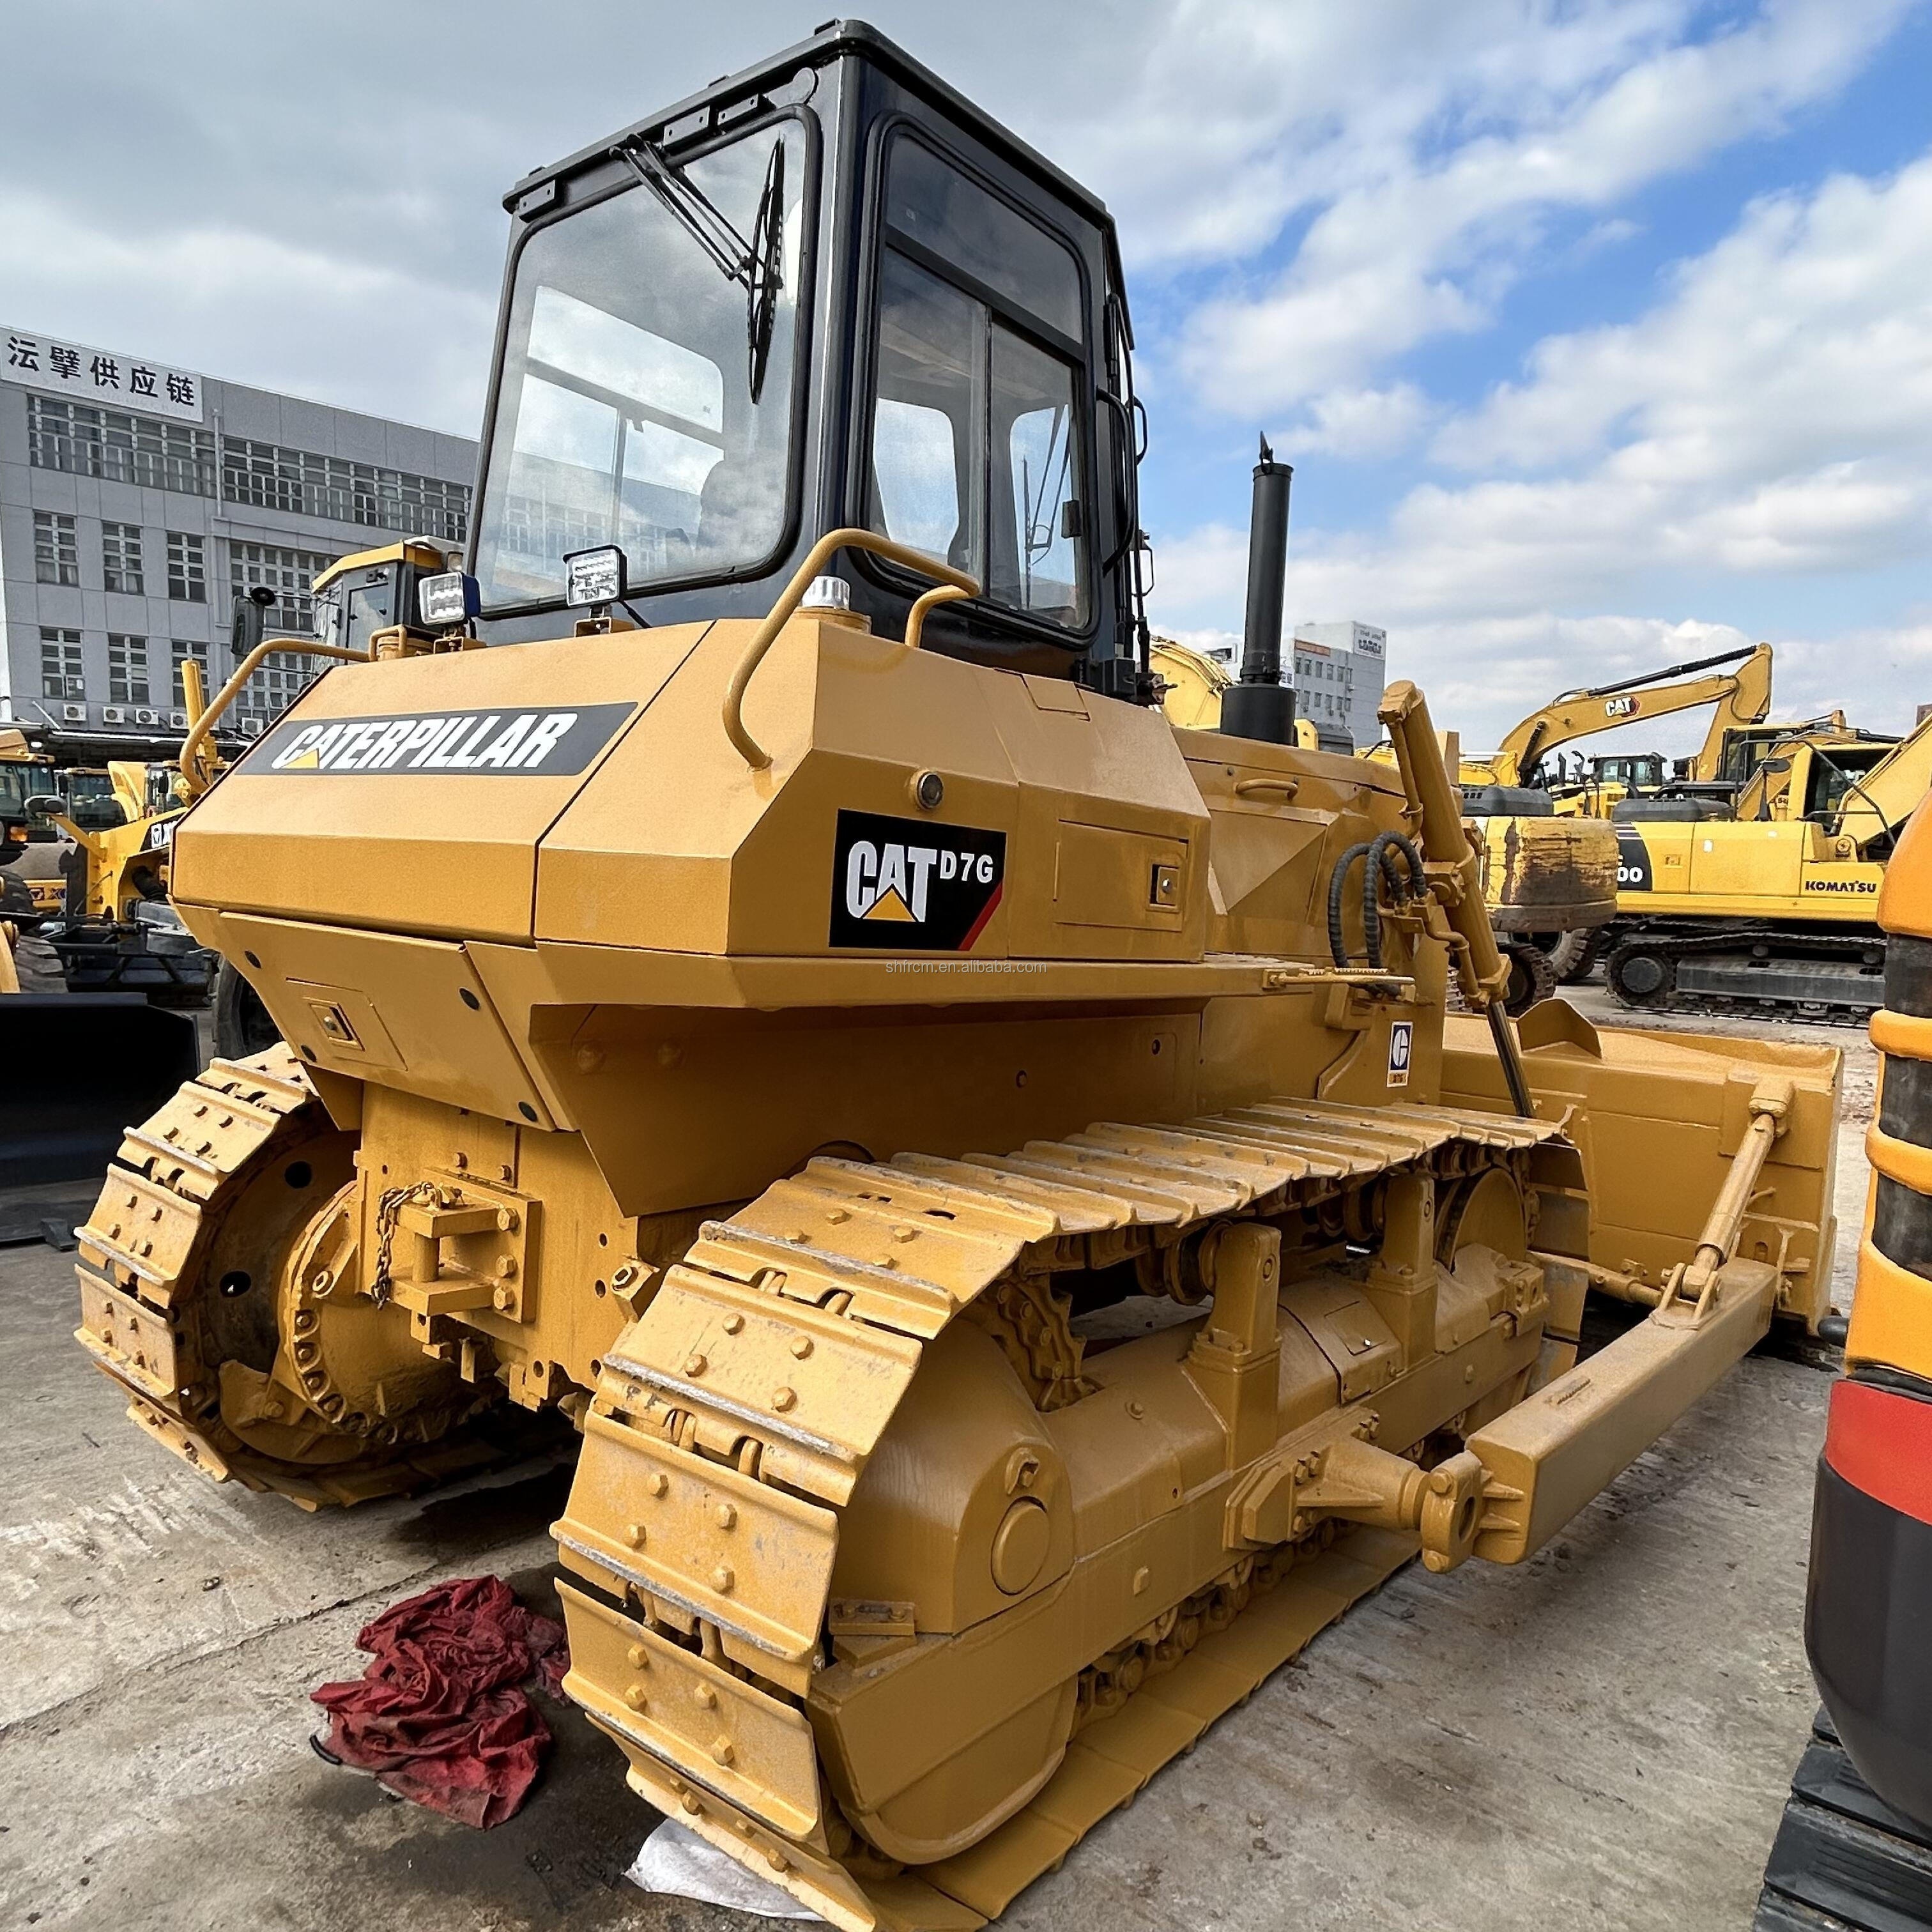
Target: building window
[[126, 669], [61, 675], [187, 568], [289, 573], [120, 558], [275, 478], [56, 551], [84, 441], [182, 653]]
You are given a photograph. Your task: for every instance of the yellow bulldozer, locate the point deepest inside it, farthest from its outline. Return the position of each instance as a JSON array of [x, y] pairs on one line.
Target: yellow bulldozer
[[1550, 881], [760, 976]]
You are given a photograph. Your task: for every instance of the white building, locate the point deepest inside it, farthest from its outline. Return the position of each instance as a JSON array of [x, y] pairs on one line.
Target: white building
[[1339, 671], [137, 501]]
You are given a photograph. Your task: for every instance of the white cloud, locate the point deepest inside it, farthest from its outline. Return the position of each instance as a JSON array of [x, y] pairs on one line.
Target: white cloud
[[1362, 424], [1804, 338], [253, 308], [1770, 418], [1573, 112]]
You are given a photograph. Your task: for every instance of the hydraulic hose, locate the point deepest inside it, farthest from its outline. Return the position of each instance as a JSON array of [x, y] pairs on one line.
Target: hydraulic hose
[[1338, 880], [1404, 882]]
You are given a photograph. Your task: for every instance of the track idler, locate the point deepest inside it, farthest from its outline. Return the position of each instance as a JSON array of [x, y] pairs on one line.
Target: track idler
[[220, 1287]]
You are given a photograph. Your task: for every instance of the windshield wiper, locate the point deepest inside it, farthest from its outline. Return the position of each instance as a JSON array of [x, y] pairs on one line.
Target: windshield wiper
[[755, 265]]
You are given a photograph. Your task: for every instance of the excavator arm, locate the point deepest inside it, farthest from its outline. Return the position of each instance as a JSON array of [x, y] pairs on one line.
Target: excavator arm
[[1876, 804], [1742, 696]]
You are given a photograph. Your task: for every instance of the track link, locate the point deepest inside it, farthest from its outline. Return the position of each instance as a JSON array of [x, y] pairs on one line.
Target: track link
[[145, 1260], [734, 1417], [1844, 1861], [1790, 952]]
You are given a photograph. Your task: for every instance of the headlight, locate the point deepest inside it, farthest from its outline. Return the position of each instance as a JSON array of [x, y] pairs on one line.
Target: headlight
[[595, 576], [449, 598]]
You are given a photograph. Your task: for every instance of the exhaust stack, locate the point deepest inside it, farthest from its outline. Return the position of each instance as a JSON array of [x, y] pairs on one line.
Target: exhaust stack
[[1259, 705]]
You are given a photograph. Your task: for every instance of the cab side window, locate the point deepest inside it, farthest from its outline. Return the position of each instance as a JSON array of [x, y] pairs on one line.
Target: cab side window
[[975, 449]]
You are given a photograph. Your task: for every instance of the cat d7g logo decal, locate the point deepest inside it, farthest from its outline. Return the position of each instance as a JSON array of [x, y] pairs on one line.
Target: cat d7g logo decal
[[907, 885]]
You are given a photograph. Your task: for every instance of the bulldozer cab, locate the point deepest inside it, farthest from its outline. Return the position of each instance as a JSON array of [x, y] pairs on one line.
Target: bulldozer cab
[[827, 291]]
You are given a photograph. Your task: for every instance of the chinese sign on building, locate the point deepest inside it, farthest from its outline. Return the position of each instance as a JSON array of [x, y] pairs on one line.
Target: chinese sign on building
[[94, 376]]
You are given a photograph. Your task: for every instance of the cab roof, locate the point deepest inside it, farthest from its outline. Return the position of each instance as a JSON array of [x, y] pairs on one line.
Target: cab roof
[[834, 39]]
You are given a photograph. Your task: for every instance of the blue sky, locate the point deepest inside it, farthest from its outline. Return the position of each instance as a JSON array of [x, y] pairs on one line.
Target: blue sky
[[1599, 331]]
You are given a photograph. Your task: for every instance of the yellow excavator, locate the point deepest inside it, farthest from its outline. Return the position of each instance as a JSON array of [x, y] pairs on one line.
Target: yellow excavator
[[759, 977], [1528, 755], [1768, 903]]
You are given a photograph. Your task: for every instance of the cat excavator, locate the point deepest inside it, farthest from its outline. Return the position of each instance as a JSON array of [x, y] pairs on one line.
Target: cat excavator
[[759, 977], [1528, 756]]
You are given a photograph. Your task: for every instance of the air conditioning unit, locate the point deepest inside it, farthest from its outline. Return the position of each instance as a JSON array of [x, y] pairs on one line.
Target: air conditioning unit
[[113, 714], [178, 719], [251, 728], [147, 718], [73, 714]]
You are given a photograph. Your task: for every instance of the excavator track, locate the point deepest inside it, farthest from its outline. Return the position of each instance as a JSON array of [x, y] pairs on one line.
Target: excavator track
[[147, 1266], [1829, 979], [734, 1417]]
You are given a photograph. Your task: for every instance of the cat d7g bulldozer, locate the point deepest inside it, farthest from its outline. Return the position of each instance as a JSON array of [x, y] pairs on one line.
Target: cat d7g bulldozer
[[809, 1018]]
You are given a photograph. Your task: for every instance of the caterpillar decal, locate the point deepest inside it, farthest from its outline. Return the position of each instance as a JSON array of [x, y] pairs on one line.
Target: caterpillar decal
[[911, 885], [512, 744]]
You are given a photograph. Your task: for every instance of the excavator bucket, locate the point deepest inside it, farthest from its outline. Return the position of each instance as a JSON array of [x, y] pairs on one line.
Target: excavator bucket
[[75, 1068]]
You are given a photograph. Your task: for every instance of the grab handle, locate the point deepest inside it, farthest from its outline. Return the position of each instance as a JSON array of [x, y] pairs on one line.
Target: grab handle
[[754, 753]]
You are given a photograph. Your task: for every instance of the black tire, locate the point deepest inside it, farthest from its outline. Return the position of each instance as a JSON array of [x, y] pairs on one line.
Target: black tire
[[1642, 975], [1531, 978], [242, 1026], [1574, 956]]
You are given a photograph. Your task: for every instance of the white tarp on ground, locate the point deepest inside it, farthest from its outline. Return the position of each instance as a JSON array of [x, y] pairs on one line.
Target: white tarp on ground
[[674, 1858]]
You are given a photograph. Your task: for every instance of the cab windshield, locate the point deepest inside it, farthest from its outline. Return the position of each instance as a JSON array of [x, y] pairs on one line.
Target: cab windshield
[[636, 408]]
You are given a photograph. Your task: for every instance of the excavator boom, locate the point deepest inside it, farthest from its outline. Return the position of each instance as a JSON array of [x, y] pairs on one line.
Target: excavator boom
[[1742, 697]]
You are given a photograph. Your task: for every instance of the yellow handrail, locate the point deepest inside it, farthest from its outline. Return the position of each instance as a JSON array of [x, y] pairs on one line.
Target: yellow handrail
[[194, 780], [754, 753], [940, 593]]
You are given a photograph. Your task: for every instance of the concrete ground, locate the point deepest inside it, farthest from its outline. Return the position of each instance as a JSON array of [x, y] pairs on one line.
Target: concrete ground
[[1601, 1738]]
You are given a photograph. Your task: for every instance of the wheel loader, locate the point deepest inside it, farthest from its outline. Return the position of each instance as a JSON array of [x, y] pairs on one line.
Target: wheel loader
[[1854, 1848], [762, 979], [74, 1068]]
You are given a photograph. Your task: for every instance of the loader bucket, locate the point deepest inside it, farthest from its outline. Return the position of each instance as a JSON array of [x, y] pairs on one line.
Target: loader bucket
[[76, 1070]]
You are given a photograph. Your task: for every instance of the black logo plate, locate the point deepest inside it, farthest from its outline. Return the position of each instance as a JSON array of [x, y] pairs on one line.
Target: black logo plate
[[537, 743], [908, 885]]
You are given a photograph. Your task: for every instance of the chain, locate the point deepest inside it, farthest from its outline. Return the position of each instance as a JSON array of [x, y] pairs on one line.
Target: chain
[[388, 1211]]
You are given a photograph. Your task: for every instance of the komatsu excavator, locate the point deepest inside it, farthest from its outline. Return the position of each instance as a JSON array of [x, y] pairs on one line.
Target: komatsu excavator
[[1768, 903], [760, 976]]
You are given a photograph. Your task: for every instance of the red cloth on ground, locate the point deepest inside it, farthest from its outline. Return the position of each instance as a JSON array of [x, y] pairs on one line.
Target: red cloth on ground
[[438, 1716]]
